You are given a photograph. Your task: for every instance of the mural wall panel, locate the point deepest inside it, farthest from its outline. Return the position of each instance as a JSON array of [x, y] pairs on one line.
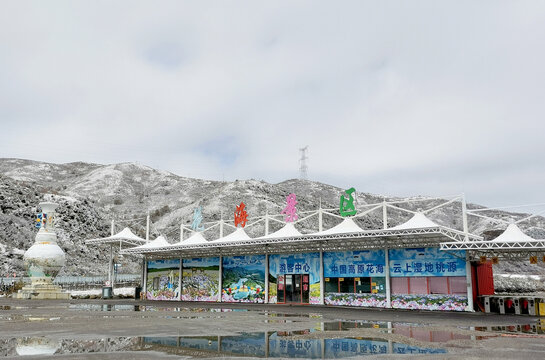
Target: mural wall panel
[[419, 275], [243, 279], [355, 278], [200, 279], [163, 279]]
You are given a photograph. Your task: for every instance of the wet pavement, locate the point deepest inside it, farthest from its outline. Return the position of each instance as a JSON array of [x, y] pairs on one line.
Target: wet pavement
[[90, 329]]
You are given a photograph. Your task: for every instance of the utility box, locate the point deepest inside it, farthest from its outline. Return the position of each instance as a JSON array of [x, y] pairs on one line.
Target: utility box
[[107, 292], [531, 307], [486, 300], [501, 305], [540, 302]]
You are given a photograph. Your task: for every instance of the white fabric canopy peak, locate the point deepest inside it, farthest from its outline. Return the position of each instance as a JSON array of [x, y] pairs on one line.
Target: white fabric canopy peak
[[238, 234], [418, 221], [287, 230], [125, 234], [159, 242], [513, 234], [195, 239], [346, 226]]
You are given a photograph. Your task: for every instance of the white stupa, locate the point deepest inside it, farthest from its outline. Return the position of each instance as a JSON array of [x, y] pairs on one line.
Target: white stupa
[[44, 259]]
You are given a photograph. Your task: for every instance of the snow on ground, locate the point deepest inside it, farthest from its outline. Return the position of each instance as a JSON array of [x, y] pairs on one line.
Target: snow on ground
[[518, 283], [54, 198], [97, 293], [17, 251]]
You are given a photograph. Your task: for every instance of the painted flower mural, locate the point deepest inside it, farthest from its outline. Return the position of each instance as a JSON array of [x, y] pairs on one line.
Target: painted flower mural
[[163, 280], [430, 302], [200, 278], [364, 300]]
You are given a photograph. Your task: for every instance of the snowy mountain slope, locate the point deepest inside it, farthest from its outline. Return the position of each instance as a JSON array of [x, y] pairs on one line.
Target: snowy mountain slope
[[90, 195]]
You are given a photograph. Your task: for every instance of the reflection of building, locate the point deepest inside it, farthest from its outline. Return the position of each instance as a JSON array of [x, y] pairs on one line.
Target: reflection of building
[[282, 344]]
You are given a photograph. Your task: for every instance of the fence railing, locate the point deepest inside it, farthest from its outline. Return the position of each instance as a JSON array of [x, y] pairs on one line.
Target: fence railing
[[7, 284]]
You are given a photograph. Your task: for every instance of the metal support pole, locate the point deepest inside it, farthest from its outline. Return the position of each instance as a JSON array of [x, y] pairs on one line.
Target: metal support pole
[[322, 283], [180, 280], [147, 227], [181, 232], [112, 230], [320, 220], [469, 283], [143, 280], [384, 215], [266, 223], [387, 275], [110, 264], [266, 278], [221, 227], [145, 285], [464, 218], [220, 287]]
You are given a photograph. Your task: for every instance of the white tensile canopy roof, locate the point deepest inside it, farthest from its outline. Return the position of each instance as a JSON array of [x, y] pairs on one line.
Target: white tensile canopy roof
[[237, 235], [287, 230], [125, 235], [346, 226], [418, 221], [159, 242], [513, 234], [195, 239]]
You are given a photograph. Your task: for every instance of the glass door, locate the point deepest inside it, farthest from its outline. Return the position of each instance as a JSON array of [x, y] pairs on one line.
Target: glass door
[[289, 287], [297, 288], [281, 291]]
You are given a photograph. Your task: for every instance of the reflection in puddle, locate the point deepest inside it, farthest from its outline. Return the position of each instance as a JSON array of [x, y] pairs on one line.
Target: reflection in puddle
[[282, 344], [536, 328], [258, 344]]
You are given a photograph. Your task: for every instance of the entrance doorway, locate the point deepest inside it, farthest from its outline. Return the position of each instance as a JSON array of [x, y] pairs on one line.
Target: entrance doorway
[[293, 288]]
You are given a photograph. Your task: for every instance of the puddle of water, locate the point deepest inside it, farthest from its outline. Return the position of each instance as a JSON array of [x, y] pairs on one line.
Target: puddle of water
[[269, 344]]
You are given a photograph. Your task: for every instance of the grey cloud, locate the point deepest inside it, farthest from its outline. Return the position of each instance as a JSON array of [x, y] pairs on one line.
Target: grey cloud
[[397, 97]]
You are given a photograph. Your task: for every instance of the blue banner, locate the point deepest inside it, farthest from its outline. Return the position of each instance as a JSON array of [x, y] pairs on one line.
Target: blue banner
[[426, 262], [364, 263]]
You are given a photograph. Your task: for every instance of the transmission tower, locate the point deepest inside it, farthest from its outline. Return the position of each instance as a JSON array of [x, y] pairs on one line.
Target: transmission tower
[[303, 163]]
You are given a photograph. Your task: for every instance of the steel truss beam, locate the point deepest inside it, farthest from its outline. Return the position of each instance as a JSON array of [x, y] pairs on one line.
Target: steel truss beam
[[127, 242], [491, 245], [506, 254], [371, 239]]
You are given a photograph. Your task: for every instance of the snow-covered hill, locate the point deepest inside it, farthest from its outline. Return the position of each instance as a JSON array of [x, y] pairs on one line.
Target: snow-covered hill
[[90, 195]]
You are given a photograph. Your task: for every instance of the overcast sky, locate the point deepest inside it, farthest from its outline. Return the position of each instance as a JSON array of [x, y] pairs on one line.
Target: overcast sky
[[392, 97]]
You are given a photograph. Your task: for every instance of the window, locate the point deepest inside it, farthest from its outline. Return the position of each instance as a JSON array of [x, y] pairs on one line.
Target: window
[[458, 285], [400, 285], [418, 285], [332, 285], [429, 285], [359, 285], [438, 285]]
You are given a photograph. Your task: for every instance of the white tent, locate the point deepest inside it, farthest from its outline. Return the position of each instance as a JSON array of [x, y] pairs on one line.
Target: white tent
[[346, 226], [125, 235], [287, 230], [194, 239], [418, 221], [157, 243], [513, 234], [237, 235]]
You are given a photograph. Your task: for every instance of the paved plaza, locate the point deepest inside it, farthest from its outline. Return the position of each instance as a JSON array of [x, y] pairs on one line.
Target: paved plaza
[[93, 329]]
